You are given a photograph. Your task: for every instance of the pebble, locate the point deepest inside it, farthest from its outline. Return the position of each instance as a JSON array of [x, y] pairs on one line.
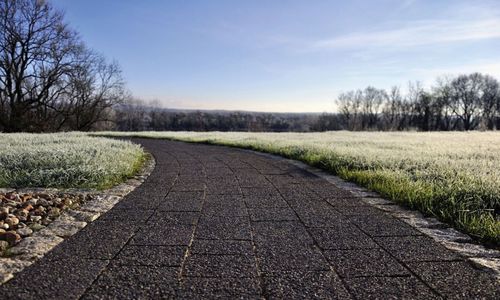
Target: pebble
[[32, 202], [3, 246], [10, 237], [40, 210], [27, 206], [35, 218], [23, 232], [11, 203], [12, 221], [36, 226], [57, 201], [43, 202], [54, 212], [23, 213]]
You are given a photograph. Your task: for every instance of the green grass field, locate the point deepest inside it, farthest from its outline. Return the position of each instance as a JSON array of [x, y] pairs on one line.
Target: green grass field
[[454, 176], [66, 160]]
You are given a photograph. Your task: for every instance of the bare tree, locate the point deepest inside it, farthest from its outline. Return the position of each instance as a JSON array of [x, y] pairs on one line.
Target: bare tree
[[490, 101], [465, 95], [37, 52], [95, 87], [372, 100], [392, 109], [349, 107], [442, 95], [49, 80]]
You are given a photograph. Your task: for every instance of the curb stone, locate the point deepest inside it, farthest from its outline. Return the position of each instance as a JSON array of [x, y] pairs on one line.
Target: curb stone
[[482, 257], [70, 222]]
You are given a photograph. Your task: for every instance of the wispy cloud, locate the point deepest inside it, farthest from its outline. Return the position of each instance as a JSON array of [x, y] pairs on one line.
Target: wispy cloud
[[486, 67], [417, 34], [407, 3]]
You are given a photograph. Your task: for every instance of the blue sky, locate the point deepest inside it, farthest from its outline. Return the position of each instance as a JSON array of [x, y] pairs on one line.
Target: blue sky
[[291, 55]]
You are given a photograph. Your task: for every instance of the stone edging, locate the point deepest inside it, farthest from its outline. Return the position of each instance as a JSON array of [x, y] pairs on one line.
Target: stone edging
[[482, 257], [70, 222]]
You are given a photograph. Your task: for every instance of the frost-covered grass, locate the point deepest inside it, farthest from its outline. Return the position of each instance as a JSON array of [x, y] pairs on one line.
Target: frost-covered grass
[[66, 160], [454, 176]]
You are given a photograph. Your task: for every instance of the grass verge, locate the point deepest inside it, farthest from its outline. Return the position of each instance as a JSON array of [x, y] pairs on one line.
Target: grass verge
[[66, 160]]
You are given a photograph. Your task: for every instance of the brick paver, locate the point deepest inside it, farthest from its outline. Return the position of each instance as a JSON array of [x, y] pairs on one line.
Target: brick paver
[[216, 222]]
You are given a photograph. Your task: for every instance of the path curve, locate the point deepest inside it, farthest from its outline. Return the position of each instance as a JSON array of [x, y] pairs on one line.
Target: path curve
[[214, 221]]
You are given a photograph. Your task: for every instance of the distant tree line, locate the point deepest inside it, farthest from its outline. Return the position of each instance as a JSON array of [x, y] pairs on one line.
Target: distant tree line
[[137, 115], [464, 102], [49, 79]]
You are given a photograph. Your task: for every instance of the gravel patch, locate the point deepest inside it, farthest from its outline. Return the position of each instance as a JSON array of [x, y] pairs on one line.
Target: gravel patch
[[22, 214]]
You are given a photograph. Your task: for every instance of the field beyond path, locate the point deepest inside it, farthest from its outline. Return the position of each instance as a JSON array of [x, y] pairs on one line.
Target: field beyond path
[[219, 222]]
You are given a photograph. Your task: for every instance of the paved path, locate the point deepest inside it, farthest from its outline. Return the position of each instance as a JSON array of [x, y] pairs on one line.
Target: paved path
[[213, 221]]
